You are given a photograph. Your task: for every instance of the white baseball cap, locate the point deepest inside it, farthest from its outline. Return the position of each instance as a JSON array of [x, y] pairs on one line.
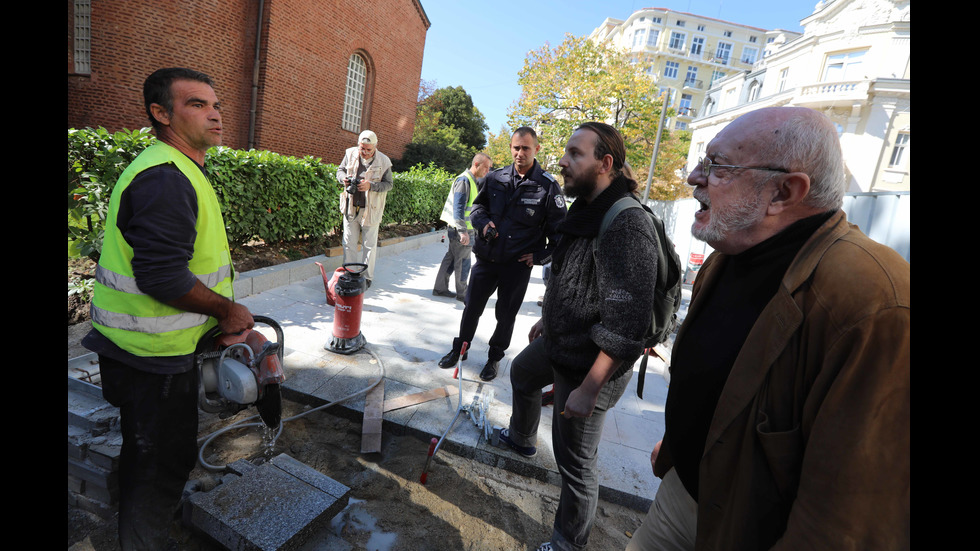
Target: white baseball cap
[[368, 137]]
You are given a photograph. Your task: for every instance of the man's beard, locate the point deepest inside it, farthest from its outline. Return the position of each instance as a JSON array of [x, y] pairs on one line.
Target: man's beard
[[724, 221], [582, 186]]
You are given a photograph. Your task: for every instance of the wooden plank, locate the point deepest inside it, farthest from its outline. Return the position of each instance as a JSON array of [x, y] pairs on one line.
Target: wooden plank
[[417, 398], [371, 427]]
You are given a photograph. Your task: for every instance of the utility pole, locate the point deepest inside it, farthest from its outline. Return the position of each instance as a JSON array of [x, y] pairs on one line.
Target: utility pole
[[656, 144]]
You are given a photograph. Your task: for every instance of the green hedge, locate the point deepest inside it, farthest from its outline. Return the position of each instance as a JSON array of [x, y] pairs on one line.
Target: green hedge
[[263, 195]]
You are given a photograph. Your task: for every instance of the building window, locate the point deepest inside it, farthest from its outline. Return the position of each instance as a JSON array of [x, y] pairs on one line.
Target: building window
[[680, 23], [685, 106], [770, 40], [680, 125], [728, 34], [638, 38], [653, 38], [670, 71], [656, 20], [749, 55], [845, 66], [354, 98], [83, 36], [752, 39], [899, 150], [701, 28], [754, 90], [697, 45], [723, 53], [783, 76], [717, 75], [677, 40], [692, 75]]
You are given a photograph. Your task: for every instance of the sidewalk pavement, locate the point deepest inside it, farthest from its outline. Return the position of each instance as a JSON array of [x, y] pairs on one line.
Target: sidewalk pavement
[[410, 329]]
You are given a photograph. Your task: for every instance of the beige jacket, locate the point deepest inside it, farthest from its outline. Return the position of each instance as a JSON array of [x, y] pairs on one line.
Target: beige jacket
[[379, 172]]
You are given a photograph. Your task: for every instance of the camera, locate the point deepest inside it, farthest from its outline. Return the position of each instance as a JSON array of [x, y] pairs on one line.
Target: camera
[[352, 183], [491, 234]]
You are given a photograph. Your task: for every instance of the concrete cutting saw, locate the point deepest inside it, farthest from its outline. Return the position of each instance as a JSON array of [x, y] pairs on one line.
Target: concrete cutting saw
[[241, 370]]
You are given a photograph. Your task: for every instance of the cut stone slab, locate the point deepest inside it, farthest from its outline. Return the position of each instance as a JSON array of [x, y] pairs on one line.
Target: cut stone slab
[[417, 398], [371, 425], [276, 505]]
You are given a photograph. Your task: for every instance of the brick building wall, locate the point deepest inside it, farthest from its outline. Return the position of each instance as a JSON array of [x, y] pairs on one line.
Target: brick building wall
[[305, 49]]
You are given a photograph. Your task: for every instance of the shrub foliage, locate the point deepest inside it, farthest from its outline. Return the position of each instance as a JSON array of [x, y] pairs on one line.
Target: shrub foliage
[[263, 195]]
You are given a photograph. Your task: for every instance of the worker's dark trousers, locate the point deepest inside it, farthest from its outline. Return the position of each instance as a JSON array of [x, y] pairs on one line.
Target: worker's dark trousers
[[158, 416], [509, 280]]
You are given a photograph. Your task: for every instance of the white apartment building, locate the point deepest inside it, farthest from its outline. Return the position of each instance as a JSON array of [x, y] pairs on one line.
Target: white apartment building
[[851, 63], [686, 53]]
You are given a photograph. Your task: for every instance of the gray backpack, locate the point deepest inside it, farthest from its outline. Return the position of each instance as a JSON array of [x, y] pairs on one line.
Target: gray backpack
[[667, 289]]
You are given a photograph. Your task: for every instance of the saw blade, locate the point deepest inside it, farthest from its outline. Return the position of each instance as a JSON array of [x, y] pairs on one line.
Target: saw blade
[[270, 406]]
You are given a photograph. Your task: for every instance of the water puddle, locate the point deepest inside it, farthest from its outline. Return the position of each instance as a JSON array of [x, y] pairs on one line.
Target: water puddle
[[355, 519]]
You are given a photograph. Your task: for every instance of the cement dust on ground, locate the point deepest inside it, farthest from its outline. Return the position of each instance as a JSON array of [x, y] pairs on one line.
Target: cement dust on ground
[[464, 505]]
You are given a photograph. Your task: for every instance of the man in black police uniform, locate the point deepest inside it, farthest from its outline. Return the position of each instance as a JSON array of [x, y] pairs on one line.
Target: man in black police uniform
[[516, 216]]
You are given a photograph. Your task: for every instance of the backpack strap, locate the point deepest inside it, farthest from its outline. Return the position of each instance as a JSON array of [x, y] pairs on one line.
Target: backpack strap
[[623, 203]]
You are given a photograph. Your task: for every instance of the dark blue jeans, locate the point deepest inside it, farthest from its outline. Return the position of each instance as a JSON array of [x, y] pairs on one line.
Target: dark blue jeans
[[575, 441]]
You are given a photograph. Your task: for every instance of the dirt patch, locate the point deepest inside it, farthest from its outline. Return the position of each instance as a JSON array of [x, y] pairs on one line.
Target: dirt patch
[[464, 505], [253, 256]]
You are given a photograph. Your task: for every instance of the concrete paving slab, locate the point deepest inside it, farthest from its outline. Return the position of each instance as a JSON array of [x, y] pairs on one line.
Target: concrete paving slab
[[273, 506]]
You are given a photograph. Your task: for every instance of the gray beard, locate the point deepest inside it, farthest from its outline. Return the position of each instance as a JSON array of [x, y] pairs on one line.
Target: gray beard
[[734, 218]]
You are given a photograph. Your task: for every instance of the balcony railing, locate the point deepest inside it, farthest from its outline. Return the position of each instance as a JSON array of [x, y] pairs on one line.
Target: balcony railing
[[687, 112], [694, 83], [835, 90]]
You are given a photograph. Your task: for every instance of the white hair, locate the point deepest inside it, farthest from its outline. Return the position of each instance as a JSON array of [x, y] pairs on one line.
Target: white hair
[[808, 143]]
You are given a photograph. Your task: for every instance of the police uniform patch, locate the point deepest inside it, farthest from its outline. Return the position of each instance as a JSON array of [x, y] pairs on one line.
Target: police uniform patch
[[559, 201], [529, 212]]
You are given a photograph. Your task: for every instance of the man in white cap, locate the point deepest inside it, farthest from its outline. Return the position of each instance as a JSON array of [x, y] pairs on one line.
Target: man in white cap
[[365, 174]]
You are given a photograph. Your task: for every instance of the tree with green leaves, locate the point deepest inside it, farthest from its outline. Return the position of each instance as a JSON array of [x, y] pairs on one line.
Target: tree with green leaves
[[498, 147], [449, 129], [582, 80]]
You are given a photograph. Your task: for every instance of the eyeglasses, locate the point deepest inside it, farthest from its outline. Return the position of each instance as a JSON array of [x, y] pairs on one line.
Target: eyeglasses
[[706, 165]]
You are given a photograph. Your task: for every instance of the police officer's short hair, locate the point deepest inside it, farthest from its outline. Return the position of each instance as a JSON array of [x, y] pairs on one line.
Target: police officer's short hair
[[525, 131], [156, 89]]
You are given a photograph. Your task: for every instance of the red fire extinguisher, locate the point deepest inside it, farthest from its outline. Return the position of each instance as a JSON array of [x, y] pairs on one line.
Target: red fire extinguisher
[[345, 292]]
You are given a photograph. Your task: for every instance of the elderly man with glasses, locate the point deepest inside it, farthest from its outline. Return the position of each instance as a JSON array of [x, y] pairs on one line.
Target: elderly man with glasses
[[787, 418]]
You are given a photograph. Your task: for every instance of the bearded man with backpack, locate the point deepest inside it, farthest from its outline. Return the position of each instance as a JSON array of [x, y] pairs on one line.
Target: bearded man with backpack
[[595, 323]]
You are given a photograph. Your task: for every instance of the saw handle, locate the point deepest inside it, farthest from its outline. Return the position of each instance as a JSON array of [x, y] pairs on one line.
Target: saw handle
[[207, 341]]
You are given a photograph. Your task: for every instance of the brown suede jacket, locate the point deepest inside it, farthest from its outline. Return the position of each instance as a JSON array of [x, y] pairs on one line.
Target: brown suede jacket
[[809, 446]]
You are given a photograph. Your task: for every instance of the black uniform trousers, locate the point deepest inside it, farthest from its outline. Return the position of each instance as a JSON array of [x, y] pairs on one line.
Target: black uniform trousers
[[509, 280]]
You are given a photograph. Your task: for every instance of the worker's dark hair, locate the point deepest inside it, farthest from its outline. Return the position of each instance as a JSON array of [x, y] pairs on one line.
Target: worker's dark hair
[[156, 89], [608, 141]]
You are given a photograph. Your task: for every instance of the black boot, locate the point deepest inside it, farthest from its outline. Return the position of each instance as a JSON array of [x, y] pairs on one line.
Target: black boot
[[489, 372], [451, 359]]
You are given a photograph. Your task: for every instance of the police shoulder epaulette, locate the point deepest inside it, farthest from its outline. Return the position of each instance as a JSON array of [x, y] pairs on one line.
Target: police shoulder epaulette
[[549, 176]]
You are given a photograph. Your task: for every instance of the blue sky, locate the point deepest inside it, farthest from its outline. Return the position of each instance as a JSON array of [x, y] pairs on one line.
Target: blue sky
[[481, 47]]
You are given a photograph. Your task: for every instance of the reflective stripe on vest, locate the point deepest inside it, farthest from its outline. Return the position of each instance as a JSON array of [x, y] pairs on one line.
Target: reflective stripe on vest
[[448, 215], [135, 321]]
